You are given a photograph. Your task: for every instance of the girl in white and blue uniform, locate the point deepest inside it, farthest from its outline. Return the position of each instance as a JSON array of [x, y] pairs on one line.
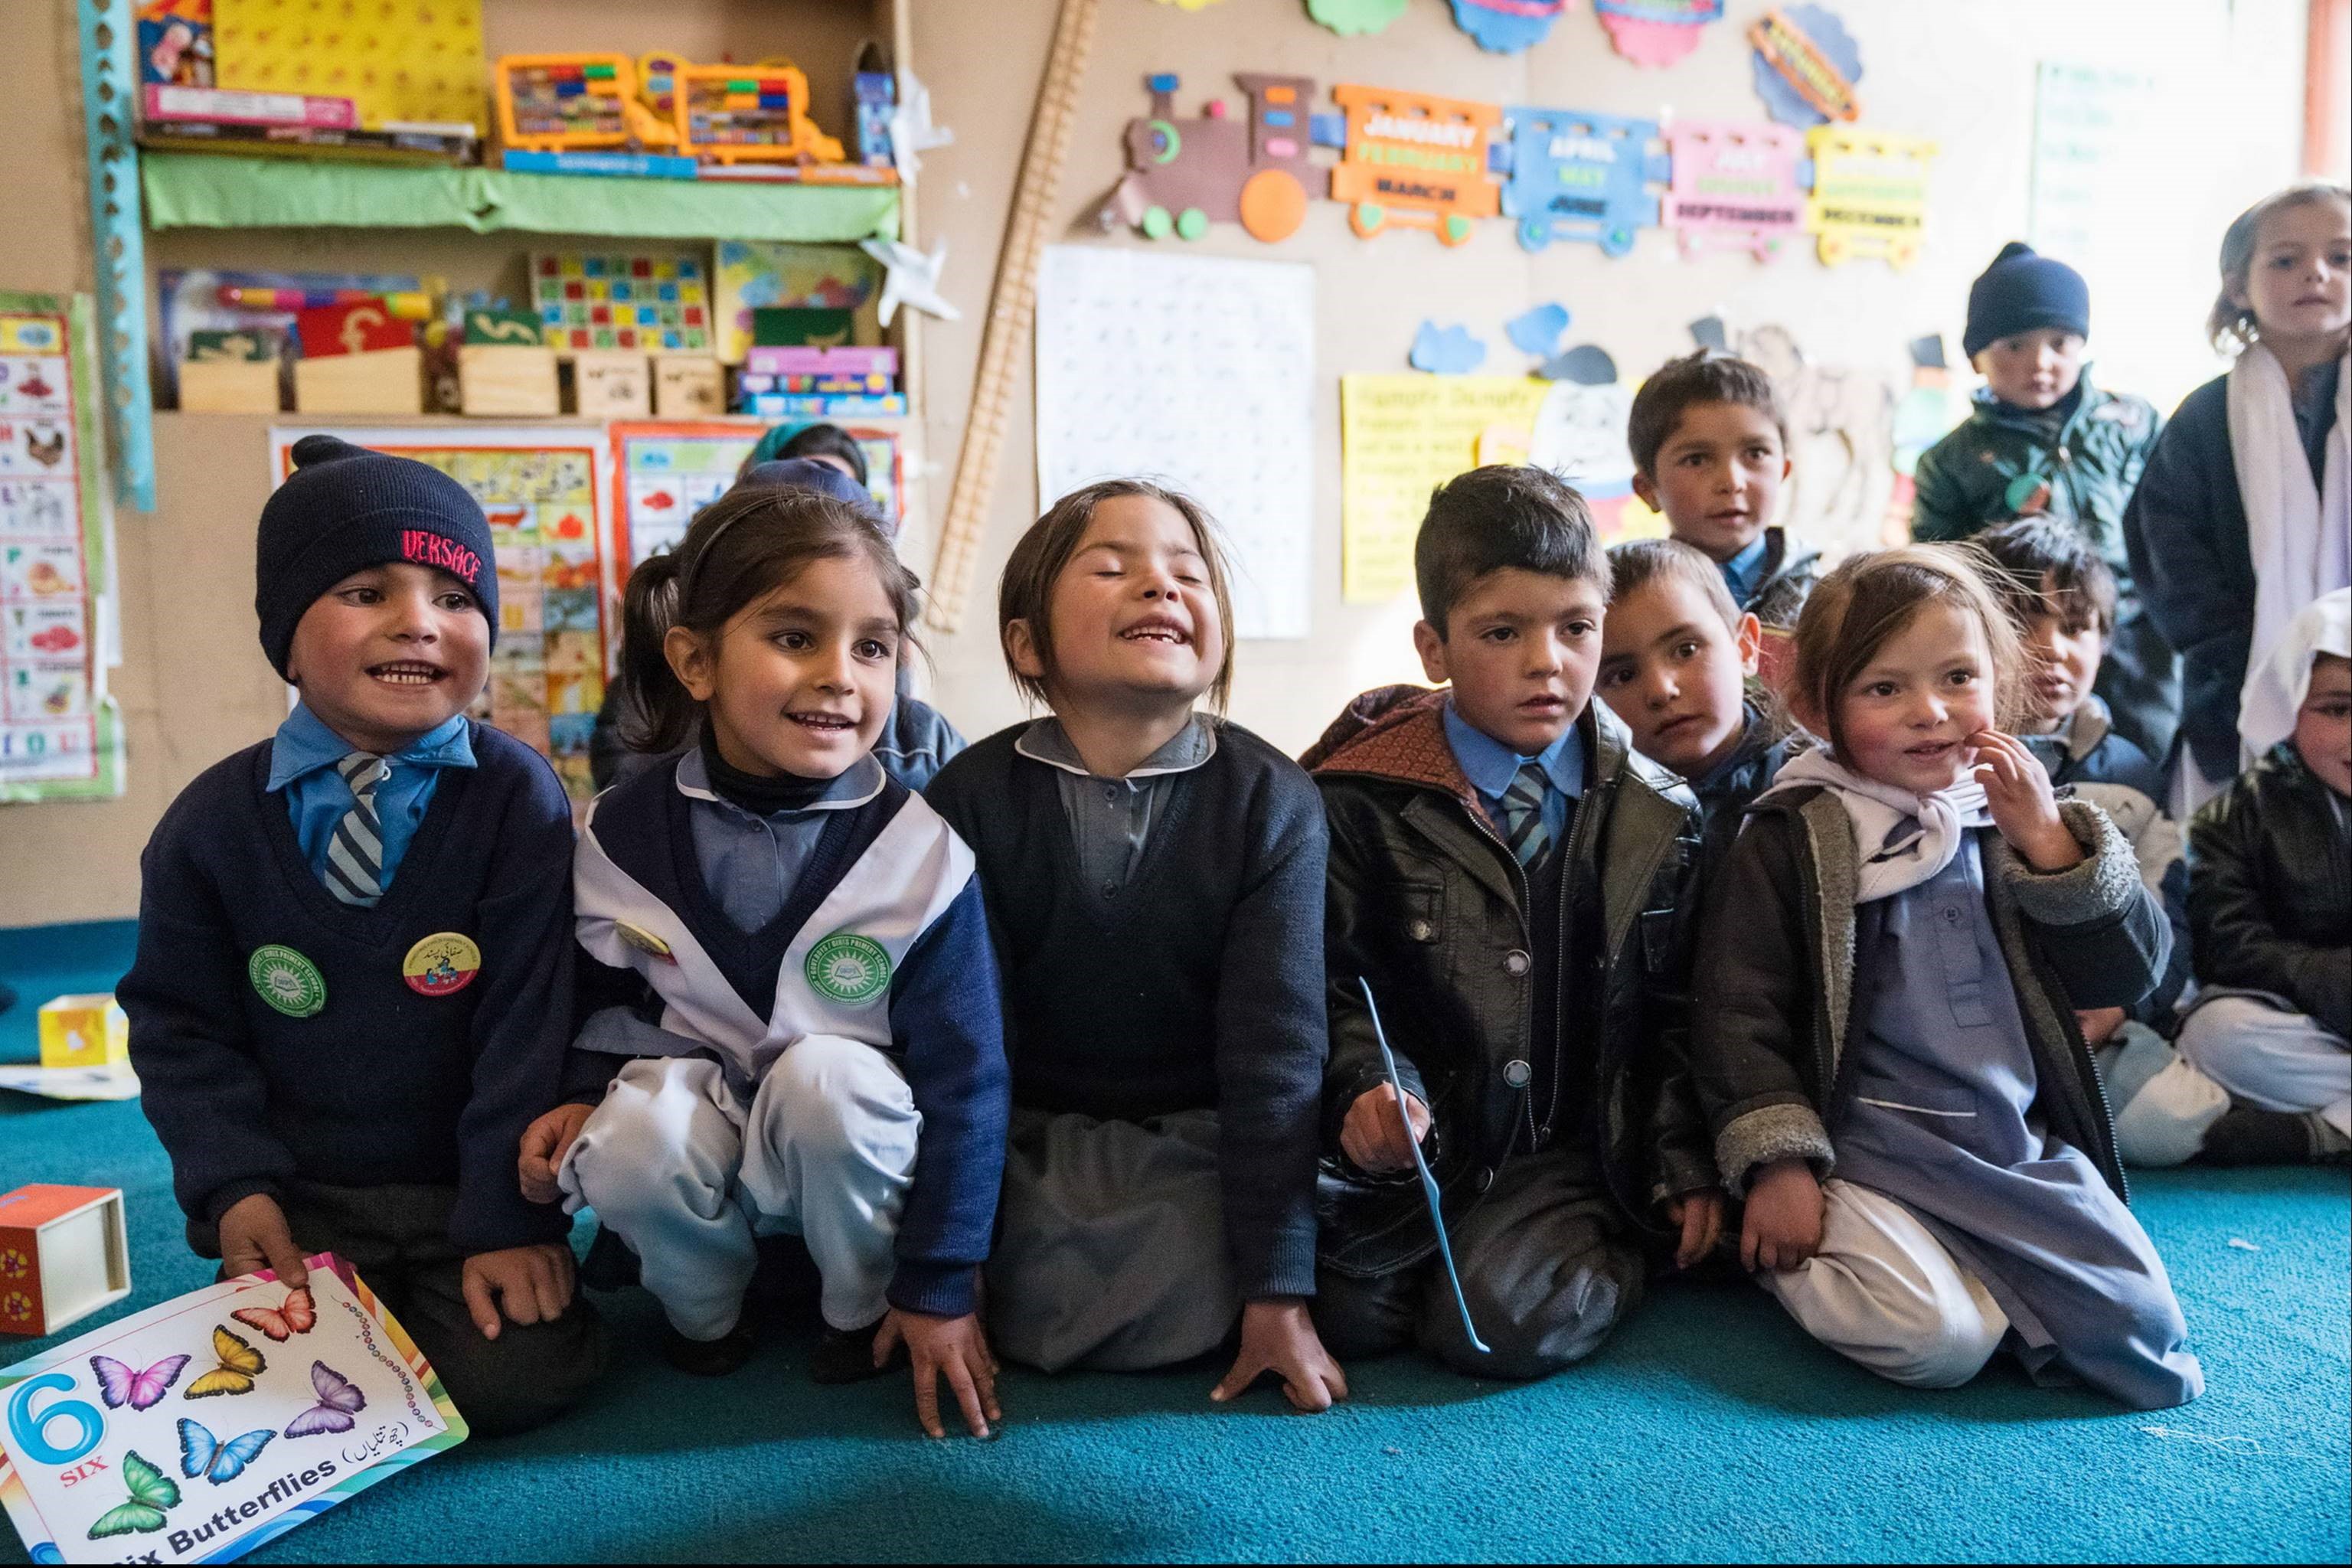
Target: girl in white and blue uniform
[[807, 1036]]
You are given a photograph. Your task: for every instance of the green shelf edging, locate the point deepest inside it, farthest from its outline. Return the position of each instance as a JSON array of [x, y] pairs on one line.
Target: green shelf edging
[[203, 190]]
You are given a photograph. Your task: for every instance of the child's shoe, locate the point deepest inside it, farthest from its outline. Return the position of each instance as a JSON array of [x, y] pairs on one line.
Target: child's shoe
[[847, 1355], [609, 1265], [708, 1358], [2246, 1135]]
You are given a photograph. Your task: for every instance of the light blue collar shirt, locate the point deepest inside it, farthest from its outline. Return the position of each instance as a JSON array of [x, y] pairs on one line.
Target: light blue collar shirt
[[1491, 765], [302, 763], [751, 863], [1744, 572]]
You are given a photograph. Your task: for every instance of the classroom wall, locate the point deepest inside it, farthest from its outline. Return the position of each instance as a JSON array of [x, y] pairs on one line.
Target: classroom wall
[[193, 686]]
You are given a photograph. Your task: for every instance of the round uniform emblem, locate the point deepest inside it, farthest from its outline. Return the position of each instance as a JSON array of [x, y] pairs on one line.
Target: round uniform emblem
[[644, 941], [848, 967], [286, 981], [442, 964]]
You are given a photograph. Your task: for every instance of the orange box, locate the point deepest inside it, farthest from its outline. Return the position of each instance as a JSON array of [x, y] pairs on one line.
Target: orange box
[[87, 1030], [63, 1256]]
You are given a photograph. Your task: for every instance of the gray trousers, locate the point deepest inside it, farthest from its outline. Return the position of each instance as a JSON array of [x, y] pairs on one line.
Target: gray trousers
[[397, 1237], [1544, 1268]]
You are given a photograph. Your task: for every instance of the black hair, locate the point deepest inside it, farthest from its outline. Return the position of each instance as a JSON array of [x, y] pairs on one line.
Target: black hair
[[827, 441], [741, 548], [1638, 563], [1498, 517], [2026, 556], [1681, 384]]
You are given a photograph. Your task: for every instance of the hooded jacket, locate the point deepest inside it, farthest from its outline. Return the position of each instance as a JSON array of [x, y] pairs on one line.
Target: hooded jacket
[[1425, 901]]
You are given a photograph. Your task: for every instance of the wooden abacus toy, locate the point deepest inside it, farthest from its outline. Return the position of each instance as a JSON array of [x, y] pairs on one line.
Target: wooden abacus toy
[[557, 103], [741, 114]]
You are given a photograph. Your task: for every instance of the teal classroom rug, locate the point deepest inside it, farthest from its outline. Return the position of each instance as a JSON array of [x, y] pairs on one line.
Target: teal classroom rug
[[1708, 1429]]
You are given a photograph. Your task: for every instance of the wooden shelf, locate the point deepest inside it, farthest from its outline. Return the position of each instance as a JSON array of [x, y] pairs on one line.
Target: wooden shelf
[[206, 190]]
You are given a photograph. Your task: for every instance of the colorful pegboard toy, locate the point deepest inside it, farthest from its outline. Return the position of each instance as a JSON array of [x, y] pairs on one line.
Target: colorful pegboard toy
[[1576, 175], [652, 304], [736, 113], [1184, 175], [1415, 161], [557, 103]]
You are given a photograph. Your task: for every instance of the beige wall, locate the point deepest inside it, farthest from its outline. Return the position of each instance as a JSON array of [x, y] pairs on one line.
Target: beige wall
[[194, 688]]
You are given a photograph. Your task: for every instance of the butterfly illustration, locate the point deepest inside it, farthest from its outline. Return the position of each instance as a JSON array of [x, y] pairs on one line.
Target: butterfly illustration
[[295, 1315], [241, 1363], [118, 1385], [338, 1403], [202, 1453], [152, 1492]]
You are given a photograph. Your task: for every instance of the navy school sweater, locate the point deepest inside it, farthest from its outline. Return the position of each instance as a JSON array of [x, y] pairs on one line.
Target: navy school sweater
[[1199, 984], [943, 1025], [383, 1083]]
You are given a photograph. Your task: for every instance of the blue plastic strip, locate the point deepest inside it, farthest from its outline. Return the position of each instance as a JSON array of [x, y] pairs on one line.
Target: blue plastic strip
[[1429, 1189], [110, 83]]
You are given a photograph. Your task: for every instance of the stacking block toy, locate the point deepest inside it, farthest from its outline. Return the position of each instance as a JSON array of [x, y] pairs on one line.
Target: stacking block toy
[[63, 1256], [84, 1031]]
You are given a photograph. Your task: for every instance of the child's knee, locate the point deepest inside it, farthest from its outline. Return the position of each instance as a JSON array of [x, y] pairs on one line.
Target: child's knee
[[1534, 1325], [639, 1155], [1359, 1317], [831, 1099], [527, 1376], [2163, 1104], [1945, 1349], [2218, 1032]]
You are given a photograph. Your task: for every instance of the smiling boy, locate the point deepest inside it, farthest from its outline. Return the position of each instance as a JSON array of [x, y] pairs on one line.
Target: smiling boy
[[354, 976]]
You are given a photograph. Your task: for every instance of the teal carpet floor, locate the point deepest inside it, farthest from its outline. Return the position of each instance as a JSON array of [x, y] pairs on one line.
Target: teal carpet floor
[[1709, 1428]]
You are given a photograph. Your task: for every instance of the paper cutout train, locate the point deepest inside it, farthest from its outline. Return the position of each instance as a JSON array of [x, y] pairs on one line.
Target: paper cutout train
[[1412, 160]]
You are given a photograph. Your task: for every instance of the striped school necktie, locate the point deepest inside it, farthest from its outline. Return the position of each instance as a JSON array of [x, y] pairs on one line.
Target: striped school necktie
[[355, 855], [1522, 811]]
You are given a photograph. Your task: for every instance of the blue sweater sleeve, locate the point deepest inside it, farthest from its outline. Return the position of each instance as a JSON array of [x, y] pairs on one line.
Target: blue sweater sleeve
[[948, 1023]]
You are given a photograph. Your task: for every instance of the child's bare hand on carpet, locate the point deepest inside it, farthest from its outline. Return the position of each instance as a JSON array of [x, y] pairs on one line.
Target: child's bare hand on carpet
[[1784, 1224], [526, 1284], [953, 1347], [254, 1236], [1277, 1336], [544, 1143], [1700, 1216]]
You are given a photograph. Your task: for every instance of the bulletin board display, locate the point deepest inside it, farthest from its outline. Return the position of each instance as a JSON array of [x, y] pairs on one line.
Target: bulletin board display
[[663, 472], [60, 736], [547, 497]]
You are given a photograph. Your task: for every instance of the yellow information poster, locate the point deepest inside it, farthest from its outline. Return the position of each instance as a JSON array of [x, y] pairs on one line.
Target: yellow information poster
[[1401, 437]]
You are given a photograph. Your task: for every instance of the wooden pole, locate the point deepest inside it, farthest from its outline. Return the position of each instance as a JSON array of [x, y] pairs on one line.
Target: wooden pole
[[1011, 307]]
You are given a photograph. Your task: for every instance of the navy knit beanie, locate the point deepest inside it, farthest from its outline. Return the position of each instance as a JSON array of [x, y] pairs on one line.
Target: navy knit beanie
[[2022, 291], [345, 508]]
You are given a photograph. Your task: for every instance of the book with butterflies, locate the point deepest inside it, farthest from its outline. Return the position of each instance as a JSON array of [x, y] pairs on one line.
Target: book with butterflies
[[197, 1429]]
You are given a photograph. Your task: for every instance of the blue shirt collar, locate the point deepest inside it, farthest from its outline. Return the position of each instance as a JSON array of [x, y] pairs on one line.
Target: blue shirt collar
[[1739, 572], [1190, 747], [305, 744], [854, 786], [1491, 765]]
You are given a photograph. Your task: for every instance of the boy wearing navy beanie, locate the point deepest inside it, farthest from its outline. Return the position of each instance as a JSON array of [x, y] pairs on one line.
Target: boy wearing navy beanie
[[2043, 441], [352, 987]]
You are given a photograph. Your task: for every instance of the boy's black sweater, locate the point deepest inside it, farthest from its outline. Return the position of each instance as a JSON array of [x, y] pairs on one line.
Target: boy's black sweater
[[382, 1086], [1199, 985]]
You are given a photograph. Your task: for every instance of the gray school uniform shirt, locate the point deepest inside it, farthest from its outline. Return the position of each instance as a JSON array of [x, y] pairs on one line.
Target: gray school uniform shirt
[[1110, 819]]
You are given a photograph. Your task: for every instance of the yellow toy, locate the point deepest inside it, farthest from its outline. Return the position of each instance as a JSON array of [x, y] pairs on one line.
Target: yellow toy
[[571, 102], [85, 1031], [748, 113]]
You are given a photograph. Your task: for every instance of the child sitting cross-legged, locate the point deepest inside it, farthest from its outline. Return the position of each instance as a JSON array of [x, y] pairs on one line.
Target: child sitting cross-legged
[[1510, 877]]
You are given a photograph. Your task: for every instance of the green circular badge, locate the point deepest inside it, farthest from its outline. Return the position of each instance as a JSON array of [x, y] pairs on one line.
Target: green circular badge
[[848, 967], [286, 981]]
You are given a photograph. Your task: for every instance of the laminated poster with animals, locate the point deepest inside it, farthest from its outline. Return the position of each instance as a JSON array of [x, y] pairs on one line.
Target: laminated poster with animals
[[198, 1429], [59, 735]]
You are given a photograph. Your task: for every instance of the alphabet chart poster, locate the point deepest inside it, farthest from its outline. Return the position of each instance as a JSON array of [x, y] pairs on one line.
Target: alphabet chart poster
[[200, 1428], [663, 471], [544, 492], [59, 736]]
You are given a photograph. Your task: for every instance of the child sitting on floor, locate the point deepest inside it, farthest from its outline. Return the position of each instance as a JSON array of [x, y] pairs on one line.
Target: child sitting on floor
[[1155, 877], [354, 969], [1505, 873], [1676, 657], [1892, 960], [2270, 901]]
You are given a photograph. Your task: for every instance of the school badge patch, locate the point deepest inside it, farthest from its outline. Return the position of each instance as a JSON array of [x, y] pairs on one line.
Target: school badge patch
[[286, 981], [848, 967], [442, 964]]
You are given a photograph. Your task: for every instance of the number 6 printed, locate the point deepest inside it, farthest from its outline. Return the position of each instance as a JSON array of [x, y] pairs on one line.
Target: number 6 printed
[[28, 1432]]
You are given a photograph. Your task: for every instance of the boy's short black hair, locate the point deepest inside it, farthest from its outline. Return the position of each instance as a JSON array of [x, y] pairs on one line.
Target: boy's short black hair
[[2028, 555], [1504, 515], [1706, 376]]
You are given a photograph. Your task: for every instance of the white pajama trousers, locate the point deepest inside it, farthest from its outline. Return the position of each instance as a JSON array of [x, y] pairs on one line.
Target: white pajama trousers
[[687, 1174], [1883, 1292], [2270, 1056]]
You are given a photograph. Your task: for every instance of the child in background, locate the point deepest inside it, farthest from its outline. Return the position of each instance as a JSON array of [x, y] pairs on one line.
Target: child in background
[[1486, 840], [1155, 879], [808, 1039], [1710, 449], [830, 445], [2043, 441], [1676, 657], [2270, 900], [1891, 964], [2245, 515], [317, 1089]]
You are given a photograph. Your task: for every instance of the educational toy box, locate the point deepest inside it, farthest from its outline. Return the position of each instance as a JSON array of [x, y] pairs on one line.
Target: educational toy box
[[731, 113], [62, 1256], [84, 1031]]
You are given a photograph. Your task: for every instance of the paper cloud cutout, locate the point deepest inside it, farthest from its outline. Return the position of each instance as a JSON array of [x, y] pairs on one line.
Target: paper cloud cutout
[[1538, 332], [1446, 351], [1587, 364]]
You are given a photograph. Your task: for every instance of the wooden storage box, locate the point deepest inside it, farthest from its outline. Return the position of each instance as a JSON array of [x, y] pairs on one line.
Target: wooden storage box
[[379, 380]]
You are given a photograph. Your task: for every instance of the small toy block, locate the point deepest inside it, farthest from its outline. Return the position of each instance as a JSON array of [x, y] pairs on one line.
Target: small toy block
[[688, 386], [384, 381], [611, 384], [84, 1031], [509, 327], [508, 378], [240, 345], [63, 1255], [331, 330], [229, 386]]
